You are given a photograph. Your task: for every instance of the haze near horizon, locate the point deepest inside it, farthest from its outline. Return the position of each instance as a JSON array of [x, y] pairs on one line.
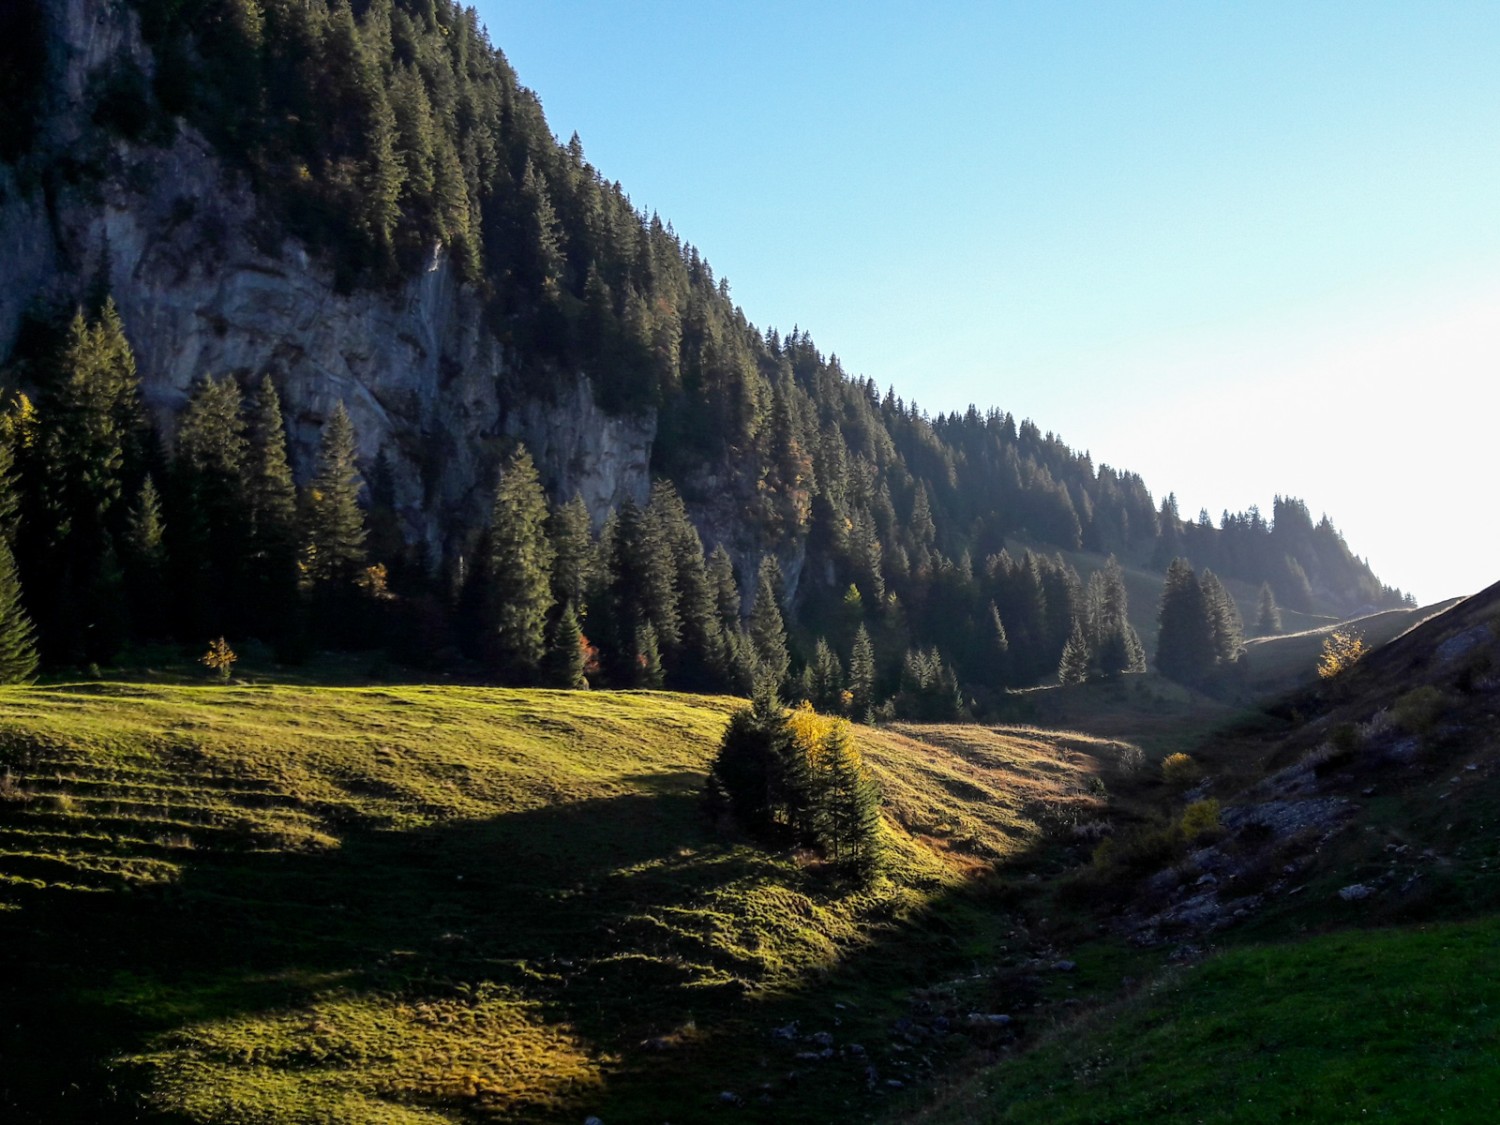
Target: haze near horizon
[[1239, 251]]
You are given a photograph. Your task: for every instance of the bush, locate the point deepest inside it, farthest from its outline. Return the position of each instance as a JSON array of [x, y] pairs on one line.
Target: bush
[[1180, 769], [1200, 819], [1418, 710], [1342, 649]]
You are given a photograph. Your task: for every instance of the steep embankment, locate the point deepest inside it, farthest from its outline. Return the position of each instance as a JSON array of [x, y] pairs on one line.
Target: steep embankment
[[274, 904], [1371, 825]]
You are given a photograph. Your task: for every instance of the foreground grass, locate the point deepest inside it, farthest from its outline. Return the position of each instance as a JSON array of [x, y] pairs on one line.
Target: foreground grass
[[1392, 1025], [425, 904]]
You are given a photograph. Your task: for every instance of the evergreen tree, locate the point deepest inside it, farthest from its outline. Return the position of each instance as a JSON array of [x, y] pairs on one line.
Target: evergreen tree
[[333, 525], [1226, 627], [273, 597], [726, 589], [649, 671], [1185, 643], [699, 661], [211, 525], [641, 589], [767, 629], [18, 657], [1074, 668], [849, 807], [826, 680], [565, 653], [573, 555], [1268, 616], [862, 675], [520, 560], [146, 564]]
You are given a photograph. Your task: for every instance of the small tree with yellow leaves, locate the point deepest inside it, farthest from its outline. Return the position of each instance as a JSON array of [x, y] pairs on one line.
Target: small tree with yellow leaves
[[1341, 650], [219, 658]]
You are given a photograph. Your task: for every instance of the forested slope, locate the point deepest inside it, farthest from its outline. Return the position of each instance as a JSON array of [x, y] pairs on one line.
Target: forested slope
[[384, 136]]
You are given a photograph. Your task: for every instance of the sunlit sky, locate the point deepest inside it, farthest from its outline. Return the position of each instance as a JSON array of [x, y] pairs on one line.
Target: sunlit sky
[[1241, 249]]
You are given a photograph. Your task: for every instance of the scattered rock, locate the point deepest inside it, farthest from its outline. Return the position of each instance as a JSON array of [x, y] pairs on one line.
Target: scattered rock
[[895, 1083], [729, 1097], [1068, 966], [592, 1121], [789, 1032], [657, 1044], [1470, 639], [1208, 880], [822, 1039], [988, 1019], [1354, 892]]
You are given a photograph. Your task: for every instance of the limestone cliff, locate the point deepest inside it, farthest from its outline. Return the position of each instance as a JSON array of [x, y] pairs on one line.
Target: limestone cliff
[[206, 285]]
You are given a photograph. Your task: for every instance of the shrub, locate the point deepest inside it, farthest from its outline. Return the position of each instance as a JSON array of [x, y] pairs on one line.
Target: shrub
[[1342, 649], [1417, 710], [1200, 819], [219, 658], [1180, 769]]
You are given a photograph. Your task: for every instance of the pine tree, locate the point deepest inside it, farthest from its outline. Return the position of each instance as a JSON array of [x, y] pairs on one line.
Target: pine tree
[[1268, 617], [862, 676], [211, 529], [520, 560], [767, 629], [334, 526], [1224, 622], [18, 656], [146, 564], [1074, 668], [273, 598], [826, 679], [726, 589], [565, 653], [573, 554], [1185, 643]]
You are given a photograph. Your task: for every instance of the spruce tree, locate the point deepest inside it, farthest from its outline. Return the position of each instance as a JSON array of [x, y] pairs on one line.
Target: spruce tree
[[726, 589], [1268, 616], [146, 564], [520, 561], [565, 654], [573, 554], [18, 656], [1225, 625], [333, 524], [698, 662], [1185, 642], [767, 629], [862, 676], [211, 527], [1074, 668], [274, 600], [826, 679]]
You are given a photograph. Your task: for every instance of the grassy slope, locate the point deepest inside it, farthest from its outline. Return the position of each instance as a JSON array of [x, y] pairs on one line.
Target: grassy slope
[[426, 904], [1396, 1025], [1390, 1012]]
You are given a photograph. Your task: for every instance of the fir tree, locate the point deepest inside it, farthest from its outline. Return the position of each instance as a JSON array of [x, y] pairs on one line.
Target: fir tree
[[211, 526], [573, 555], [826, 679], [1185, 642], [333, 525], [767, 629], [520, 560], [1268, 616], [1074, 668], [275, 609], [649, 672], [726, 590], [862, 675], [18, 657], [565, 652], [146, 564], [1224, 622]]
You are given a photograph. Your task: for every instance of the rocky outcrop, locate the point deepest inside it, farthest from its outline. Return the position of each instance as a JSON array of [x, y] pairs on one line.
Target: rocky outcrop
[[206, 285]]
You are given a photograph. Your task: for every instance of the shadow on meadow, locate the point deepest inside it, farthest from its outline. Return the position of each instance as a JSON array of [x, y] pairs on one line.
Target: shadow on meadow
[[623, 919]]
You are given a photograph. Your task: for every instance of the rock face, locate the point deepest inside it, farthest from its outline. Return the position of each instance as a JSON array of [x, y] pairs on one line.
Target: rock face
[[205, 288]]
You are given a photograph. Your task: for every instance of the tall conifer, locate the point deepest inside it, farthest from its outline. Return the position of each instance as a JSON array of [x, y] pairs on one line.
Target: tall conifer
[[333, 525], [18, 658], [520, 559]]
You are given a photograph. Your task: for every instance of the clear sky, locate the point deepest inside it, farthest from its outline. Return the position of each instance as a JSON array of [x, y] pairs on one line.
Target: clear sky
[[1241, 249]]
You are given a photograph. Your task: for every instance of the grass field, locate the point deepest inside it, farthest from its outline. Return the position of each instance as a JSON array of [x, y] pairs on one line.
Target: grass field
[[424, 904], [1395, 1025]]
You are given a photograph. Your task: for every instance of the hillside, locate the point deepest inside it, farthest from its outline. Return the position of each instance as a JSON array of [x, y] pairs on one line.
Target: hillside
[[278, 904], [361, 206], [1340, 910]]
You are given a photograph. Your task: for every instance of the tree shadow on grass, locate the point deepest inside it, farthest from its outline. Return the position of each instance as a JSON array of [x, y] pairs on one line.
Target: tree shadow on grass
[[599, 914]]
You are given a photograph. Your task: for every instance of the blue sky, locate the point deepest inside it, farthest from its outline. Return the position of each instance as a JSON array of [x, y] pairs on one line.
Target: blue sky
[[1239, 248]]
